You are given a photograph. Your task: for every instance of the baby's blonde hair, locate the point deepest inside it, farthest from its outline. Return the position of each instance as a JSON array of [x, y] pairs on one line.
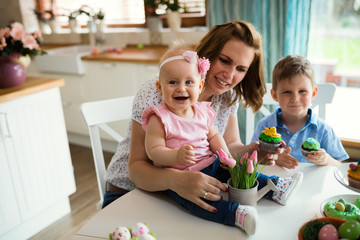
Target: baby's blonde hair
[[175, 49]]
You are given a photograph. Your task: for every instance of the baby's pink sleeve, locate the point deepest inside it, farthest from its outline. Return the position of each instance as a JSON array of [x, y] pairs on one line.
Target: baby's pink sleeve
[[147, 114]]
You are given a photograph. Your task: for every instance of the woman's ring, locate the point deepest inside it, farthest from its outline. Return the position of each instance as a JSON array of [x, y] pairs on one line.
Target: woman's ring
[[206, 193]]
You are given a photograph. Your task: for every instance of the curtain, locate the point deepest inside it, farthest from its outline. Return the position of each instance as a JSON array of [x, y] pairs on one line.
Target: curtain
[[284, 25]]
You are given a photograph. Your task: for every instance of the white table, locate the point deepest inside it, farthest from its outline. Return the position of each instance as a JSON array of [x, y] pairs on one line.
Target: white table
[[170, 221]]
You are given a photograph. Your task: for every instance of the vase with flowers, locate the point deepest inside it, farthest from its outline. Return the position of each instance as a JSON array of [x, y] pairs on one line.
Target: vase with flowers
[[243, 183], [16, 48], [153, 20], [173, 14]]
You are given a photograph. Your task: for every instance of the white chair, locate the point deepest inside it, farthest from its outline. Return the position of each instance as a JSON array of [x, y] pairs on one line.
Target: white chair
[[96, 115], [325, 96]]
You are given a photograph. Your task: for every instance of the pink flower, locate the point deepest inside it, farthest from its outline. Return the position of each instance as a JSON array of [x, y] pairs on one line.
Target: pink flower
[[2, 42], [15, 42], [17, 31], [245, 156], [250, 168], [253, 157], [204, 66], [272, 163], [5, 32], [225, 159], [190, 56], [30, 42], [37, 35]]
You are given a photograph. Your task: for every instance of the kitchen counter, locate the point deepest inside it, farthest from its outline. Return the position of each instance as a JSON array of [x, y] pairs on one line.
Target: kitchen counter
[[149, 54], [31, 85]]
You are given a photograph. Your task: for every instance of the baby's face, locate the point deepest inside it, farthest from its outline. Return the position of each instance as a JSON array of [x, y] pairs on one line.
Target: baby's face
[[180, 85], [295, 95]]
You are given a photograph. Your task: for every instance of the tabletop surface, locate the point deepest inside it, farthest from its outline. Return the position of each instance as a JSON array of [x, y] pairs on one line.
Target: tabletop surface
[[170, 221]]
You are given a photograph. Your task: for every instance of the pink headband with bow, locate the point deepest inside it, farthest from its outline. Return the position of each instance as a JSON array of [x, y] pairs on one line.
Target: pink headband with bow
[[192, 57]]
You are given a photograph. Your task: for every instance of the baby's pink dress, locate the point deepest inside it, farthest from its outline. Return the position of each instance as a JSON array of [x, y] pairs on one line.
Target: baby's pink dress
[[183, 131]]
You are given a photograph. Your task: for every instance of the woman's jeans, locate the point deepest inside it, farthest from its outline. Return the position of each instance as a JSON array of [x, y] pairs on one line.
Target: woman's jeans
[[225, 209]]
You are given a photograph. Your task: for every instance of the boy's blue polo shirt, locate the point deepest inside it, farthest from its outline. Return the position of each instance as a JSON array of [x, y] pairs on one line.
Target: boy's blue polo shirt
[[315, 127]]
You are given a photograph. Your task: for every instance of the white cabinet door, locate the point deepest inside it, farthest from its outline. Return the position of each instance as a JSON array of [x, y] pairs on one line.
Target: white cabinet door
[[9, 214], [40, 167]]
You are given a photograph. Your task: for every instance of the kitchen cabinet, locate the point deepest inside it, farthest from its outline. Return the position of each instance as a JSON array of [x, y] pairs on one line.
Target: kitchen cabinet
[[102, 80], [36, 171], [107, 75]]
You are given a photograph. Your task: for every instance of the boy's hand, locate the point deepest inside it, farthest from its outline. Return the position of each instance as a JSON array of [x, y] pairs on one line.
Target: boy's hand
[[318, 157], [186, 155], [286, 160]]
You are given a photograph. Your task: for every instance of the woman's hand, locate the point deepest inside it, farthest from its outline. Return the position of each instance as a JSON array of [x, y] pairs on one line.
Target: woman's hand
[[195, 186], [266, 156]]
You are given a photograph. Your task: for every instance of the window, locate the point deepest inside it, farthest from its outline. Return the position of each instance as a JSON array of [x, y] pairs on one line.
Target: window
[[334, 43], [121, 13], [334, 50]]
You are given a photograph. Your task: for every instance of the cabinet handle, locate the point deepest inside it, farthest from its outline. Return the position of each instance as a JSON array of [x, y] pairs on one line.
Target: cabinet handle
[[7, 125]]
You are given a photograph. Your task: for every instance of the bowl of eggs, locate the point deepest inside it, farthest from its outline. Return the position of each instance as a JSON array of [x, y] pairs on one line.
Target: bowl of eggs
[[328, 228]]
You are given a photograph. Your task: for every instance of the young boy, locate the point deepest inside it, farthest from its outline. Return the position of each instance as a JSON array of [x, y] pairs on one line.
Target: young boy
[[294, 88]]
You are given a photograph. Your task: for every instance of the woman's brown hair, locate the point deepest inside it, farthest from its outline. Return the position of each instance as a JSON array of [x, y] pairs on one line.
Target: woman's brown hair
[[252, 88]]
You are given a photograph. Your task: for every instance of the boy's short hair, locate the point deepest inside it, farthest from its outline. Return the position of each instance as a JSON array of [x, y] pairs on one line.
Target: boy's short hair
[[290, 66]]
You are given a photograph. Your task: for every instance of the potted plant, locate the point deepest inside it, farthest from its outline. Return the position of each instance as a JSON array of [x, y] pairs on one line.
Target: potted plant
[[43, 22], [243, 184], [16, 48], [84, 9], [173, 14], [153, 20], [100, 26], [73, 24], [99, 20]]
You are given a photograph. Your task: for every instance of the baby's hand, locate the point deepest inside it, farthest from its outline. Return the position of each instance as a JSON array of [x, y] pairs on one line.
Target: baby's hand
[[286, 160], [186, 155], [318, 157]]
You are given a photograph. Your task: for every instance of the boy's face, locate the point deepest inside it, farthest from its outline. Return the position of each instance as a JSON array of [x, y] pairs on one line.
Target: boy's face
[[180, 85], [294, 95]]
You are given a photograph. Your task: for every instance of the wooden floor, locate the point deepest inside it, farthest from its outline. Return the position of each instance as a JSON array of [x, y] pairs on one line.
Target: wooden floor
[[83, 202]]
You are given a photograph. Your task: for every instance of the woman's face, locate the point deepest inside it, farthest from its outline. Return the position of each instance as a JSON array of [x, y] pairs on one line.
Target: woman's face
[[230, 67]]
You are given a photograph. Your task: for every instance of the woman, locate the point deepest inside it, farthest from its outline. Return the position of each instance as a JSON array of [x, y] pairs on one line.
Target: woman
[[236, 73]]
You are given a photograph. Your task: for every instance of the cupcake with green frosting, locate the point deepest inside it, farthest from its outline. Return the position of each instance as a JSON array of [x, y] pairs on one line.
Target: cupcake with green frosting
[[269, 140], [310, 146]]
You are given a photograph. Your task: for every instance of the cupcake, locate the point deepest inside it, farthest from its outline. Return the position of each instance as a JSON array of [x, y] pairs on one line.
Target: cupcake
[[354, 175], [310, 146], [269, 140]]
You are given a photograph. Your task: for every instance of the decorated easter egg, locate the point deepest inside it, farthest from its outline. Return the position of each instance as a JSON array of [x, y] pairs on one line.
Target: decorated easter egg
[[139, 229], [350, 230], [121, 233], [94, 51], [146, 237], [328, 232], [140, 46], [339, 206]]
